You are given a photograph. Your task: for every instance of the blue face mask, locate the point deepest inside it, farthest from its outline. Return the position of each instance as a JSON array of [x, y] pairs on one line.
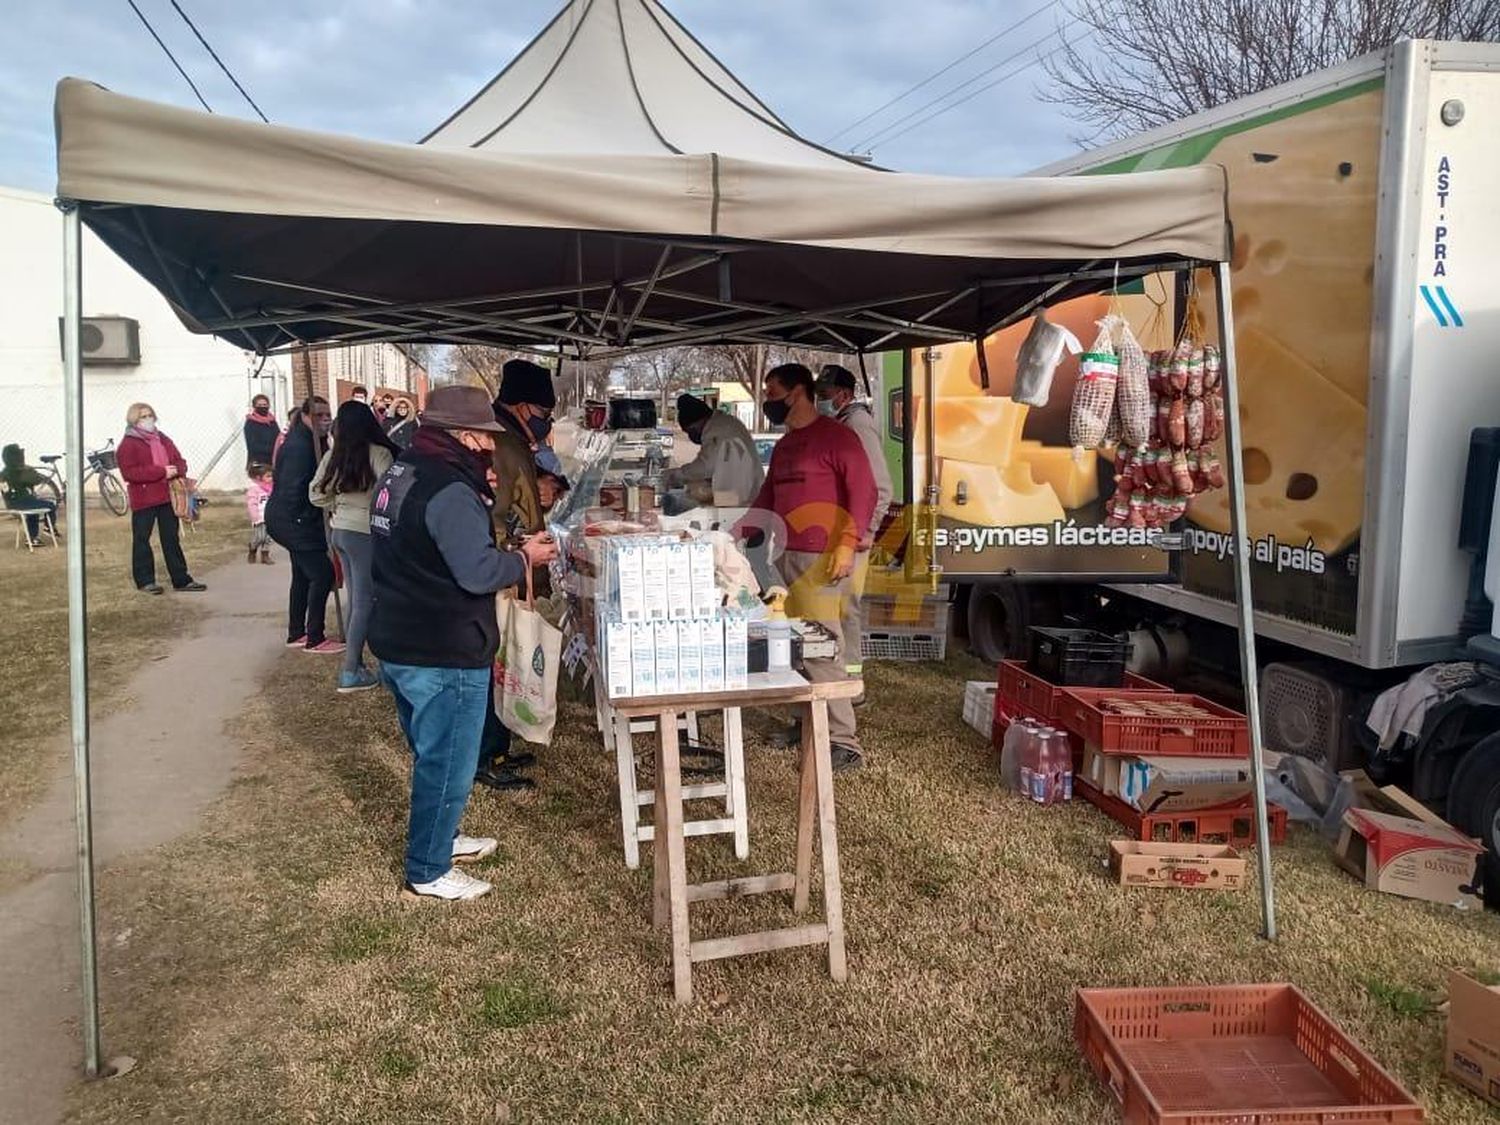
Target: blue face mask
[[828, 408], [539, 427]]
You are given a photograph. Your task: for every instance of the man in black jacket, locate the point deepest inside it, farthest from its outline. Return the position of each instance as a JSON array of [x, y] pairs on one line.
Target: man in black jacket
[[293, 521], [437, 569]]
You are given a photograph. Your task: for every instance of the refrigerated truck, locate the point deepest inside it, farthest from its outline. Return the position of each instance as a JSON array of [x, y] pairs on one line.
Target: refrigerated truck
[[1365, 201]]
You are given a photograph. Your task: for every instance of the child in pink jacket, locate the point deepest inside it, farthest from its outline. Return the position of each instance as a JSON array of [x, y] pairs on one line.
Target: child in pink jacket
[[256, 495]]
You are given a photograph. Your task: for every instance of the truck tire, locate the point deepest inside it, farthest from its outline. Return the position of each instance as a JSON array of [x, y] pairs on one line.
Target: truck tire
[[1000, 614], [1474, 804]]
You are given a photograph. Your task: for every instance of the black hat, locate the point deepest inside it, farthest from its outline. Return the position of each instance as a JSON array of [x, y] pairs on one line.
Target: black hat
[[691, 410], [524, 381], [836, 378]]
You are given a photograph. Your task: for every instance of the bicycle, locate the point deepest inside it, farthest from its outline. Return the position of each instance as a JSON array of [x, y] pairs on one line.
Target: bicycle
[[102, 466]]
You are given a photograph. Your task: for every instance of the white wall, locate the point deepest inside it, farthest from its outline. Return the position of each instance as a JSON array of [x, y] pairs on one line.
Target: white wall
[[199, 385]]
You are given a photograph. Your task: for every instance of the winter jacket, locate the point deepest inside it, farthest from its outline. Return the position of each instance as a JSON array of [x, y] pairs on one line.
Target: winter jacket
[[727, 467], [291, 518], [256, 495], [351, 510], [21, 480], [145, 481], [518, 502], [859, 418], [260, 438]]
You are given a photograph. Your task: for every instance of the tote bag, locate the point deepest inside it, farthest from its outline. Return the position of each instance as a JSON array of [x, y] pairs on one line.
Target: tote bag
[[526, 668]]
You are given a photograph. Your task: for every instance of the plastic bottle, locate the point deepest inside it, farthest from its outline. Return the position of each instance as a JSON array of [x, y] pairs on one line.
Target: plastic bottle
[[778, 633], [1010, 753], [1062, 766], [1032, 745]]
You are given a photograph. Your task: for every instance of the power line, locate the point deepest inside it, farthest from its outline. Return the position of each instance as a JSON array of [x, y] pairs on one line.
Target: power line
[[878, 135], [935, 75], [141, 16], [227, 73], [991, 85]]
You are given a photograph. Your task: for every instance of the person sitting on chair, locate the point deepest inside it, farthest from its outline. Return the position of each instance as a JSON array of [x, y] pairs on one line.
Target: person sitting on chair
[[21, 482]]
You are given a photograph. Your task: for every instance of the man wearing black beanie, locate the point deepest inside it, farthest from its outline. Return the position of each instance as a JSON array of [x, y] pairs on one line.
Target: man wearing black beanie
[[726, 472]]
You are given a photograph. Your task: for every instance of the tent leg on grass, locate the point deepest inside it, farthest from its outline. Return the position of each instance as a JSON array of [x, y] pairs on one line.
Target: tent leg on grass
[[78, 653], [1244, 605]]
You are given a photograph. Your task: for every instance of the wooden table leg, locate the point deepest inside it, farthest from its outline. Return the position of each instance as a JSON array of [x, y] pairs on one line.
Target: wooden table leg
[[807, 799], [619, 731], [661, 896], [669, 839], [833, 893], [734, 775]]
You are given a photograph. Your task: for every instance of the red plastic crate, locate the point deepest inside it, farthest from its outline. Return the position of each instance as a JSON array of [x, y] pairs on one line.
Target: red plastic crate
[[1029, 695], [1226, 734], [1223, 824], [1260, 1053]]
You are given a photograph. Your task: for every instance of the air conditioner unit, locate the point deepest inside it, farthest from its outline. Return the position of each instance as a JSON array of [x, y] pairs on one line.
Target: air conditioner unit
[[108, 341]]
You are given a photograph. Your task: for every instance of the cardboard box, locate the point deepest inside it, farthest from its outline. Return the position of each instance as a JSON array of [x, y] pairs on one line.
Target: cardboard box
[[667, 680], [643, 659], [679, 582], [689, 657], [1473, 1057], [617, 658], [1423, 859], [706, 596], [736, 653], [1208, 867], [711, 652], [1167, 784], [654, 579], [627, 589]]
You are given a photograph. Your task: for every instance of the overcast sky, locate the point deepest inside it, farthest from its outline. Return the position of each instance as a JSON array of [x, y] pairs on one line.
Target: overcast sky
[[392, 69]]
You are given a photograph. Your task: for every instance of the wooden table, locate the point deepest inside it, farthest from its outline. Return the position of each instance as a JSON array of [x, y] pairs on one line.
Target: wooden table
[[673, 894]]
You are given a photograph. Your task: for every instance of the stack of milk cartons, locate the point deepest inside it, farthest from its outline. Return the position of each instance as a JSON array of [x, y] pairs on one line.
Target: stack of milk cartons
[[662, 627]]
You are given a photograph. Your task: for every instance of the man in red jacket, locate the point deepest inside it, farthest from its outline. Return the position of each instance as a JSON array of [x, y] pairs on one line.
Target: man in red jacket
[[820, 487]]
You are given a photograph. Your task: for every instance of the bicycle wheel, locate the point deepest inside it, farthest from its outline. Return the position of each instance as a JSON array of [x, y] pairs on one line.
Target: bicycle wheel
[[112, 492], [48, 490]]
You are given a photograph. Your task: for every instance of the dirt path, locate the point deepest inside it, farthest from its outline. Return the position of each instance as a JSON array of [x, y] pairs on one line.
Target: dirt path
[[158, 759]]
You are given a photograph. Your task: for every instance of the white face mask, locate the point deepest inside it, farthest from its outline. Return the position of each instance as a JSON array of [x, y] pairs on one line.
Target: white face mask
[[146, 425]]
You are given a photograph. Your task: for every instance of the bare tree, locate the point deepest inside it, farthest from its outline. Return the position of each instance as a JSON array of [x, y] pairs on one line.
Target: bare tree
[[1149, 62]]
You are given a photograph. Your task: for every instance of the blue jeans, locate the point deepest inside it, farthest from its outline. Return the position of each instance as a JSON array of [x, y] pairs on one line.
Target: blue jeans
[[356, 554], [442, 715]]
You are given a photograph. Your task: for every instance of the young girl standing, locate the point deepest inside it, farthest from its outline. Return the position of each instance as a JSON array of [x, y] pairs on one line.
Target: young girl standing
[[256, 494]]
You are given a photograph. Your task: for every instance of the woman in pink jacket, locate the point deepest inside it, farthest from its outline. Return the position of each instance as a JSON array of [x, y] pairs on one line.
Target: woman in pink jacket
[[149, 461]]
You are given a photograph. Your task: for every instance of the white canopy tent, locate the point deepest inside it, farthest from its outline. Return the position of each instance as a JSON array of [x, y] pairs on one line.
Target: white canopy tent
[[278, 238]]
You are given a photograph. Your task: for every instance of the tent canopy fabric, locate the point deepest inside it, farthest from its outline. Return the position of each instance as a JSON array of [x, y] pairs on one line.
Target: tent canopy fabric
[[622, 77], [276, 238]]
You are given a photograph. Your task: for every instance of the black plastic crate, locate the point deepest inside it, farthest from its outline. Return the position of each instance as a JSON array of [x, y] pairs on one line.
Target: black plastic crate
[[1078, 657]]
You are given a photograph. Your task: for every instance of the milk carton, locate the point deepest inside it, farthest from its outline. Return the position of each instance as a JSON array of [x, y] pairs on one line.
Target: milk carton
[[667, 681], [654, 579], [643, 659], [689, 657], [679, 582], [704, 584], [626, 582], [711, 652], [736, 653], [617, 658]]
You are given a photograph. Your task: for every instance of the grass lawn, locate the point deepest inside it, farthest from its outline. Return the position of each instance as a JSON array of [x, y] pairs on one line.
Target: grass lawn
[[124, 626], [265, 970]]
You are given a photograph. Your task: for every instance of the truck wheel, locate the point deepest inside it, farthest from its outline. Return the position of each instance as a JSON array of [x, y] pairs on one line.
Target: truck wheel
[[999, 615], [1474, 799]]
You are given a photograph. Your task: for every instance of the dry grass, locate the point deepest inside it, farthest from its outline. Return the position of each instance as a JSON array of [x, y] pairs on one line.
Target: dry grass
[[266, 970], [123, 625]]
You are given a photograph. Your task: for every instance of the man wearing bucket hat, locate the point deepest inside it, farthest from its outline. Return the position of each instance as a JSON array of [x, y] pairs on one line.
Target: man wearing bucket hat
[[436, 572]]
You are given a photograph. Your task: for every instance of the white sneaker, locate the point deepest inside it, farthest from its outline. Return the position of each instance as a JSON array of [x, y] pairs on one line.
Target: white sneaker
[[453, 886], [471, 849]]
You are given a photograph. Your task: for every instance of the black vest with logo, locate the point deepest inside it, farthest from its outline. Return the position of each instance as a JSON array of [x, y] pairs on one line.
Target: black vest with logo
[[421, 615]]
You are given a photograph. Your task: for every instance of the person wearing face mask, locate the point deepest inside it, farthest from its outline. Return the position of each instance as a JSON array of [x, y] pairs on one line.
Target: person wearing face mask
[[261, 432], [726, 470], [821, 490], [297, 524], [436, 569], [523, 413], [835, 389], [401, 423], [148, 460]]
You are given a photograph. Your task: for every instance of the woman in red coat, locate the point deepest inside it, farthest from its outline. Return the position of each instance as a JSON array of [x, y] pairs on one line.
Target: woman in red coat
[[148, 461]]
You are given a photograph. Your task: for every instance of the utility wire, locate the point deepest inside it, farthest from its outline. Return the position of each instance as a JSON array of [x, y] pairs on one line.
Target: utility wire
[[879, 135], [991, 85], [141, 16], [227, 73], [935, 75]]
